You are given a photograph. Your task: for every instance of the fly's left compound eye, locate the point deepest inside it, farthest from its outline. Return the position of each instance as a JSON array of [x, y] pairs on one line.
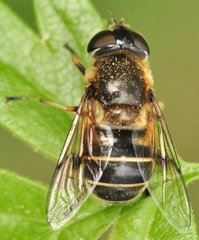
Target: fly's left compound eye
[[101, 39], [140, 42]]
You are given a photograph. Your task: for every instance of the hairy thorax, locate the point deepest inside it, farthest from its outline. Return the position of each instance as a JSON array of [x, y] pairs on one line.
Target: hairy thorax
[[120, 87]]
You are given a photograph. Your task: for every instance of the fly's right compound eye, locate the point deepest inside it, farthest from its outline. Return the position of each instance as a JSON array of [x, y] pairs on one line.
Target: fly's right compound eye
[[140, 42]]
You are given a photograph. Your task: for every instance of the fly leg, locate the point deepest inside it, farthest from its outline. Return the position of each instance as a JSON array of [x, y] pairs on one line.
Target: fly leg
[[77, 63], [41, 100], [75, 59]]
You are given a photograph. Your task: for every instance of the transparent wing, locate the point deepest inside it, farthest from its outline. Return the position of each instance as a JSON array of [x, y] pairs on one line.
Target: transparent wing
[[67, 186], [69, 189], [166, 185]]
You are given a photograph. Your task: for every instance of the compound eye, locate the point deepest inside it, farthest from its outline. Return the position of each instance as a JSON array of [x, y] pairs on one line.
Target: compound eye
[[101, 39], [140, 42]]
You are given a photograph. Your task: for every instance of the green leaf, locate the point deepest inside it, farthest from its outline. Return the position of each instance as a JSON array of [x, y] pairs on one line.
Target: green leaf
[[22, 204], [37, 65], [31, 65]]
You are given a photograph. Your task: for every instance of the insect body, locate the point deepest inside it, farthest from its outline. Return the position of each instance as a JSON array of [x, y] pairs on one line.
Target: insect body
[[119, 143], [117, 108]]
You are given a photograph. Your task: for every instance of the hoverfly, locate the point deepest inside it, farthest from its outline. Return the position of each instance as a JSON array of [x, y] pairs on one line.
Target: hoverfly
[[119, 144]]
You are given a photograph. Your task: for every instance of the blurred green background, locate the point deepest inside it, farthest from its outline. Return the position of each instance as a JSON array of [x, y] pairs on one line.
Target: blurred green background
[[172, 30]]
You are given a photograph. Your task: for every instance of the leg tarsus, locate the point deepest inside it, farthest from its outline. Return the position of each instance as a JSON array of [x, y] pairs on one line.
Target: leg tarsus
[[8, 99], [75, 59], [41, 100], [70, 49]]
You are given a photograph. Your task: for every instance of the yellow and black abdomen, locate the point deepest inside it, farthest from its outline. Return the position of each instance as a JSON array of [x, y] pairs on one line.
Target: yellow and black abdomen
[[121, 179]]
